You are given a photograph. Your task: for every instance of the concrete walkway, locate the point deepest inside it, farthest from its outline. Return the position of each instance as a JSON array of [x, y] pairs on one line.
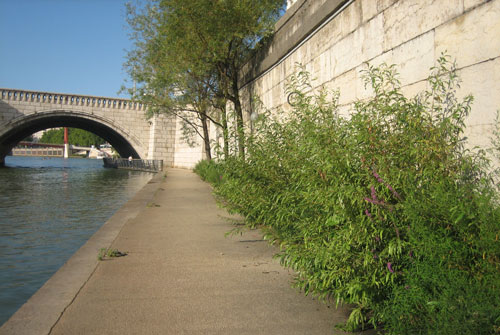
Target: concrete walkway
[[181, 276]]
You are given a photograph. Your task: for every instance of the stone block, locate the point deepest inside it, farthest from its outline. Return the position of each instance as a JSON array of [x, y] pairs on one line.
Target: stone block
[[358, 47], [325, 72], [363, 91], [277, 96], [407, 19], [384, 4], [472, 37], [482, 81], [278, 74], [346, 85], [412, 90], [415, 58], [346, 110], [368, 9], [344, 24], [479, 136], [350, 18], [468, 4], [307, 50]]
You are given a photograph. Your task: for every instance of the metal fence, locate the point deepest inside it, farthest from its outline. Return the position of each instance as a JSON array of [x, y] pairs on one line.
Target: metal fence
[[151, 165]]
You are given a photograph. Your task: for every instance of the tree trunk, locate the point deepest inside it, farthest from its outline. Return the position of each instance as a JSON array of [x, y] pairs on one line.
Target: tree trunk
[[206, 136], [225, 130], [239, 117]]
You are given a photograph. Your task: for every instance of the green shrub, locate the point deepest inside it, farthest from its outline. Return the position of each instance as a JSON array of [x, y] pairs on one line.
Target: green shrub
[[208, 171], [384, 209]]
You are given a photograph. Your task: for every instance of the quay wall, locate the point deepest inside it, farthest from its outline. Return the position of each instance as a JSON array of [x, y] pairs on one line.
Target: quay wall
[[335, 39]]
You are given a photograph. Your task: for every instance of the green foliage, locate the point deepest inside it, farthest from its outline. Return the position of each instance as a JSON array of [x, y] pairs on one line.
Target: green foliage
[[76, 136], [208, 171], [495, 150], [385, 209], [105, 253], [188, 55]]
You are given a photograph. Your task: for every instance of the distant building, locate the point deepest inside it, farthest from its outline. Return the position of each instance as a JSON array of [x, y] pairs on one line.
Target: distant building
[[38, 135]]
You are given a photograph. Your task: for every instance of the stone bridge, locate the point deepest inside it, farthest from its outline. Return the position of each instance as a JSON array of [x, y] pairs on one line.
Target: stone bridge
[[121, 122]]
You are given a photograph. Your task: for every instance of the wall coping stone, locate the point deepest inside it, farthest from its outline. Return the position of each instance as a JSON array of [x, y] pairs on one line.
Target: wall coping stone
[[282, 43]]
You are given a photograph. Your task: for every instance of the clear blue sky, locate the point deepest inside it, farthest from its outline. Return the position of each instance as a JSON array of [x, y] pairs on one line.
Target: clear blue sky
[[66, 46]]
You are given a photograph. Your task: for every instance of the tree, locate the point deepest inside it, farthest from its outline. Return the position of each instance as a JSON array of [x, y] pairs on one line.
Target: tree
[[192, 51], [53, 136], [76, 136]]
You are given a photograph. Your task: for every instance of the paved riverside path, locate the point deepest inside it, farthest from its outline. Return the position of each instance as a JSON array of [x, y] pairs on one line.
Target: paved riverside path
[[183, 276]]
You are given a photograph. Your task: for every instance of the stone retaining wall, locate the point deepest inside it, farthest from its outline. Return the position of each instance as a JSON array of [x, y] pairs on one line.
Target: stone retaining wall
[[409, 33]]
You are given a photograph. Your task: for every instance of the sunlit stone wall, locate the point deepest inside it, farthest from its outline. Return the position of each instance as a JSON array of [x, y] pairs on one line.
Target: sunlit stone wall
[[409, 33]]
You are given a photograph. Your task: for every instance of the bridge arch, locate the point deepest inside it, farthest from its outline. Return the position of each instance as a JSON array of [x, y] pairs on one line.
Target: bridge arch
[[24, 125]]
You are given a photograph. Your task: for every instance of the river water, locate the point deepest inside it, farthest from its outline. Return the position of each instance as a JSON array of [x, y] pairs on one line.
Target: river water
[[49, 207]]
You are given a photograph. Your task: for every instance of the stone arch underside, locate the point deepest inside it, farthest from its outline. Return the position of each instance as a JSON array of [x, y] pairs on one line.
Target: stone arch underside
[[21, 127]]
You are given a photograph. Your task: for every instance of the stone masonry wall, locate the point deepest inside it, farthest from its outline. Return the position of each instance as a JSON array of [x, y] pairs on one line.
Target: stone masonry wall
[[162, 139], [185, 155], [409, 33]]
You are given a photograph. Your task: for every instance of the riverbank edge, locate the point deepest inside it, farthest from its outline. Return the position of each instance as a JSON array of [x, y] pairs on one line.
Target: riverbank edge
[[42, 311]]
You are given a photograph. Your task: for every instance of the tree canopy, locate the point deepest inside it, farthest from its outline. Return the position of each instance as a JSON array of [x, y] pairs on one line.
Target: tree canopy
[[76, 136], [188, 54]]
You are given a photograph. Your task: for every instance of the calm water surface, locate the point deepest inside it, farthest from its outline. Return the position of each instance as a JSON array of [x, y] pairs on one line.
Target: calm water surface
[[49, 207]]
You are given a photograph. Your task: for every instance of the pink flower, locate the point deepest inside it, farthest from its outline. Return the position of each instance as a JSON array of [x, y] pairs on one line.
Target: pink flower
[[396, 194], [375, 201], [376, 175], [380, 180], [389, 266]]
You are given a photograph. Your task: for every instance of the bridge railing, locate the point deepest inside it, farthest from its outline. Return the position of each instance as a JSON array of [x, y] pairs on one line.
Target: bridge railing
[[150, 165], [68, 99]]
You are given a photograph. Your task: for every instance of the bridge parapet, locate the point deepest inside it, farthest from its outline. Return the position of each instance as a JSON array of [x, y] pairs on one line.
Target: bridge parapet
[[69, 99]]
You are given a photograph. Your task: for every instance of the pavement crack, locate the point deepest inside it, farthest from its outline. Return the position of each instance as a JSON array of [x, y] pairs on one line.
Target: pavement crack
[[72, 300]]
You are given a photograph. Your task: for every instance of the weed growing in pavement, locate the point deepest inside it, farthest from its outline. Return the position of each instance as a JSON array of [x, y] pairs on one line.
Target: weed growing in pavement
[[105, 253]]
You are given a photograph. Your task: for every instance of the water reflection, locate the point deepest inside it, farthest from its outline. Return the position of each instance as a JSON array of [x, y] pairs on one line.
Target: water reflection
[[48, 209]]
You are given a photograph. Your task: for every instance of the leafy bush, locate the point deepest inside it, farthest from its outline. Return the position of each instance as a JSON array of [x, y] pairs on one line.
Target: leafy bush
[[208, 171], [384, 209]]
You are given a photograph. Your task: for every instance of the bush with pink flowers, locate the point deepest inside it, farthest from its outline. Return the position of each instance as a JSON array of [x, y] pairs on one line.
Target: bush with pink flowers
[[385, 209]]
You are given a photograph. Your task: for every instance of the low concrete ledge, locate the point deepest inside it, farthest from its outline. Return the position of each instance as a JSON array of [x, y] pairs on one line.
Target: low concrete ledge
[[42, 311]]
